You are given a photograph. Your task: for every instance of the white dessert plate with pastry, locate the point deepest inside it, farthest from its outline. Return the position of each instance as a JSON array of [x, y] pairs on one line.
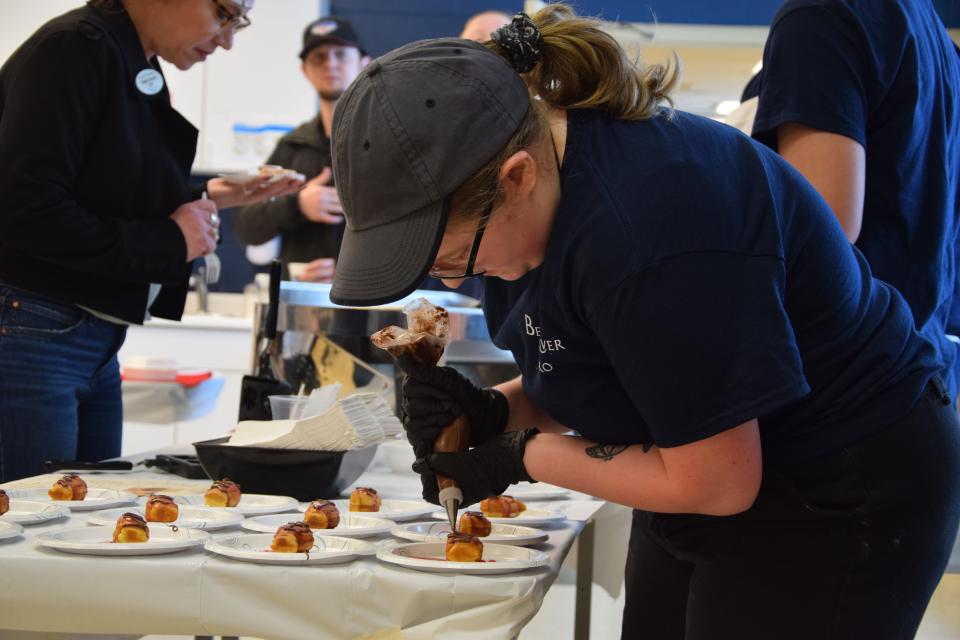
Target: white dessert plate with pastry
[[274, 172], [537, 491], [499, 534], [430, 556], [9, 530], [251, 504], [188, 517], [29, 512], [529, 517], [352, 525], [396, 510], [255, 547], [96, 498], [97, 541]]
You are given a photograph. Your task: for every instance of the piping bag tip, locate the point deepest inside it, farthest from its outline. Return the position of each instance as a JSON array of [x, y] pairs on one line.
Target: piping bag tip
[[451, 498]]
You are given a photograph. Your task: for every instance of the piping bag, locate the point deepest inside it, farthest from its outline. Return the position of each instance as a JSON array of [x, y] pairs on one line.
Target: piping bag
[[424, 340]]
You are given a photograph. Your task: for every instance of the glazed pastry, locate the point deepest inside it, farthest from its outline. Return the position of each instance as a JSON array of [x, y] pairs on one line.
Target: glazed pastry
[[131, 528], [364, 499], [222, 493], [474, 523], [322, 514], [161, 508], [502, 507], [463, 548], [293, 537], [69, 487], [4, 502]]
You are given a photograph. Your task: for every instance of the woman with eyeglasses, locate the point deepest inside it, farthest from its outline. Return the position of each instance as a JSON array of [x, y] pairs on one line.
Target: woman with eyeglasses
[[98, 225], [680, 297]]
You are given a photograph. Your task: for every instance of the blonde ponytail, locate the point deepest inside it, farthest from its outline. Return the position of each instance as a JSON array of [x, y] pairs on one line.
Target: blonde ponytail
[[583, 67]]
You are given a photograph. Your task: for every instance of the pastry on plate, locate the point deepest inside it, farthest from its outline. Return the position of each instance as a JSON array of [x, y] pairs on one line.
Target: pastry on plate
[[322, 514], [463, 548], [222, 493], [4, 502], [69, 487], [161, 508], [502, 507], [364, 499], [293, 537], [131, 528], [474, 523]]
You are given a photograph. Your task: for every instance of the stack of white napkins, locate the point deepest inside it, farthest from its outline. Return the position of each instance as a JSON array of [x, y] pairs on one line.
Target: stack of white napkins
[[329, 424]]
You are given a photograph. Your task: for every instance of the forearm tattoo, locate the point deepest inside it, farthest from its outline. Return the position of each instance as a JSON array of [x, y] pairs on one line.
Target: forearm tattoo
[[607, 452]]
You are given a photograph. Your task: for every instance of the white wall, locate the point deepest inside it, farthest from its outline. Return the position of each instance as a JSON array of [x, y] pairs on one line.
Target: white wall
[[257, 83]]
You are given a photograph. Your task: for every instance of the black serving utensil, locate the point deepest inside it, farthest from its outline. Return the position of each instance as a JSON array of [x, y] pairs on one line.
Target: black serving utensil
[[256, 389]]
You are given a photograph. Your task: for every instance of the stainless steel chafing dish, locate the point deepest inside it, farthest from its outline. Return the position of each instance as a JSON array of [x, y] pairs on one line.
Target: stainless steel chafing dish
[[322, 342]]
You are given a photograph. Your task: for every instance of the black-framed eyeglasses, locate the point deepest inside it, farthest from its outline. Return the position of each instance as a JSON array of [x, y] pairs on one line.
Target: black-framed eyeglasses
[[229, 19], [474, 248]]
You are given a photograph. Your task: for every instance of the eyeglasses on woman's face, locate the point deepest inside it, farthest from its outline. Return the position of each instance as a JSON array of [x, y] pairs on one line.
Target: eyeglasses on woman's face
[[442, 272], [231, 19]]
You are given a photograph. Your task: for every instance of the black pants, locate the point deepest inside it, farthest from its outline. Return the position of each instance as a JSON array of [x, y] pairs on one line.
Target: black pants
[[847, 546]]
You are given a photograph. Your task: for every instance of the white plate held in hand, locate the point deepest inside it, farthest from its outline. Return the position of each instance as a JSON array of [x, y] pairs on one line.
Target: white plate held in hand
[[255, 547], [27, 512], [97, 541], [429, 556], [351, 525], [188, 517]]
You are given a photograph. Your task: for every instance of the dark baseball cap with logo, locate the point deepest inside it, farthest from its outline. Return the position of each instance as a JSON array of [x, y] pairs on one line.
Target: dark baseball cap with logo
[[411, 129], [330, 30]]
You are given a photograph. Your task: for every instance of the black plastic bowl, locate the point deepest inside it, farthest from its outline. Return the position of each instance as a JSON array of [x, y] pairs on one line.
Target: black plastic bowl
[[304, 475]]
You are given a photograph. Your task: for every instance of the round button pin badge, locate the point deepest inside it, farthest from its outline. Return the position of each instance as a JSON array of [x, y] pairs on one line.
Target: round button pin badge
[[149, 82]]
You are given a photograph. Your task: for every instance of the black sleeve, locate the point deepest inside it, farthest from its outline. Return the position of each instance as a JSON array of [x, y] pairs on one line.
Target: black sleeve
[[815, 73], [51, 112], [259, 223]]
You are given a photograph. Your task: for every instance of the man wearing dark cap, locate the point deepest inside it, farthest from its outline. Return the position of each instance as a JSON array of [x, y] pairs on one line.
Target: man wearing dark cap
[[310, 223]]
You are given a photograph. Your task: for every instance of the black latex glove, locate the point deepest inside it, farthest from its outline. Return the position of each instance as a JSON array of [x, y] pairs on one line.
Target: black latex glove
[[434, 396], [481, 472]]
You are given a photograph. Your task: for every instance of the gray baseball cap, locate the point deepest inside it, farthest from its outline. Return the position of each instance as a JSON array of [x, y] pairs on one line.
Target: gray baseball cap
[[414, 125]]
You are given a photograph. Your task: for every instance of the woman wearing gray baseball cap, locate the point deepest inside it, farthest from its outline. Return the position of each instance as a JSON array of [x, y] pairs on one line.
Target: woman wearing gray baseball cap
[[680, 298]]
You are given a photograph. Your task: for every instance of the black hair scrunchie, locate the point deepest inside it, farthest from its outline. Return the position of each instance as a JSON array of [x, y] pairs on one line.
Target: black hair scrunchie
[[522, 41]]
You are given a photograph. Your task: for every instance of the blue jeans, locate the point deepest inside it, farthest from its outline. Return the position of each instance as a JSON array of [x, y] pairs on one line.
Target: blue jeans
[[59, 384]]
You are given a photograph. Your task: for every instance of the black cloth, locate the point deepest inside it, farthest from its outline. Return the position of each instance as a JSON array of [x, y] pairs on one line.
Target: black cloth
[[849, 545], [306, 149], [92, 170]]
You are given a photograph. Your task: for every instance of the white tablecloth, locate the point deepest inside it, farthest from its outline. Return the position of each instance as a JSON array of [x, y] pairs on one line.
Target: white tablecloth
[[196, 593]]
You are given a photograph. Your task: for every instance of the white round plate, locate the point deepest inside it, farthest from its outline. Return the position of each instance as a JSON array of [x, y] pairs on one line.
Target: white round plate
[[96, 498], [246, 177], [351, 525], [251, 504], [499, 534], [537, 491], [9, 530], [189, 517], [96, 541], [429, 556], [255, 547], [28, 512], [531, 516], [396, 510]]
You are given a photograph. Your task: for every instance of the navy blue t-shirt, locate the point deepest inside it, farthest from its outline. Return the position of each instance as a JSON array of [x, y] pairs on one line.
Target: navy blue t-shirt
[[693, 281], [886, 74]]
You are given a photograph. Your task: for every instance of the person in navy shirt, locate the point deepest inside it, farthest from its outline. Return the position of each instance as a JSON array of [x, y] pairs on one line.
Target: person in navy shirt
[[863, 98], [685, 302]]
